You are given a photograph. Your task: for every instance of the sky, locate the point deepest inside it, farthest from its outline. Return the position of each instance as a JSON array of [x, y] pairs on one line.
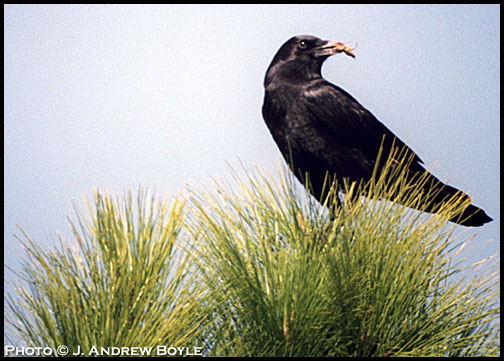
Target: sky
[[116, 96]]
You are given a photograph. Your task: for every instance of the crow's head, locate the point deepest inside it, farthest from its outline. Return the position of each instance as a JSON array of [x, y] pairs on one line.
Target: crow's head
[[301, 58]]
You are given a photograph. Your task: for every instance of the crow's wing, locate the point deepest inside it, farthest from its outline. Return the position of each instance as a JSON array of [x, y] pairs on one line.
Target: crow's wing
[[349, 121]]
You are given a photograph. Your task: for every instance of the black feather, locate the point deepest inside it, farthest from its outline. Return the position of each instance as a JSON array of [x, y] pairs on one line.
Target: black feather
[[322, 129]]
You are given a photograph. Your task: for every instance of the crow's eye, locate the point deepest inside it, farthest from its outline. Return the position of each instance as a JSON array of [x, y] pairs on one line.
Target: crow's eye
[[303, 44]]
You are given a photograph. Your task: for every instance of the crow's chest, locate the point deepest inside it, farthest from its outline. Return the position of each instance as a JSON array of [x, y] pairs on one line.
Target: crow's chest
[[291, 123]]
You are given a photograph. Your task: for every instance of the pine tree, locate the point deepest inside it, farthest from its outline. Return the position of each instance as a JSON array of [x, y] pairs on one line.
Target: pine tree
[[255, 267]]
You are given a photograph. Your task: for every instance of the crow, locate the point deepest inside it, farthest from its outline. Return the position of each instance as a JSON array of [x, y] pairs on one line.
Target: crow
[[321, 129]]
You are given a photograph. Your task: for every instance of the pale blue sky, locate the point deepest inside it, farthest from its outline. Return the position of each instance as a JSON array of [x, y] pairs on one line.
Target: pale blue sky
[[117, 96]]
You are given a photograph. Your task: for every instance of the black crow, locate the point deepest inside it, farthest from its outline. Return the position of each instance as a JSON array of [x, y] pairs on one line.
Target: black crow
[[321, 129]]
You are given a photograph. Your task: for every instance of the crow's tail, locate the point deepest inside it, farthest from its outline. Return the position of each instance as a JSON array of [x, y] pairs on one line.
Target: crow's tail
[[471, 216]]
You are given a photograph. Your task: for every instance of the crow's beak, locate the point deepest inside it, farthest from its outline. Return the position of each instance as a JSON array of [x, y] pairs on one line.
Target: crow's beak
[[332, 47]]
